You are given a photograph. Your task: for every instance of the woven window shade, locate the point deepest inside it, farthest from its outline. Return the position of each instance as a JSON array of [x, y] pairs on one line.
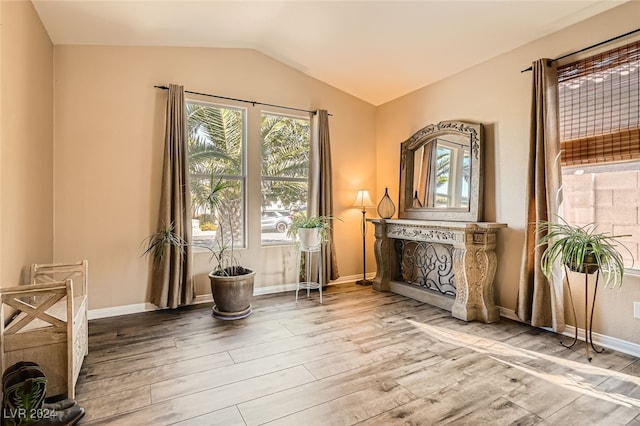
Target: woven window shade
[[600, 107]]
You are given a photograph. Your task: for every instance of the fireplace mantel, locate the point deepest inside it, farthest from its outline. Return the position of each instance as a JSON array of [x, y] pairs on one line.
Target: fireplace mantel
[[469, 250]]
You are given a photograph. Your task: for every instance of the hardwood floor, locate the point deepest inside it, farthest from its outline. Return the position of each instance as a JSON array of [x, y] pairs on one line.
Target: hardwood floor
[[362, 357]]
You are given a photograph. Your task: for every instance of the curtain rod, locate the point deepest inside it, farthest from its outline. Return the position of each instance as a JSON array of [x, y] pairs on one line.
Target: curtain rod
[[254, 103], [591, 47]]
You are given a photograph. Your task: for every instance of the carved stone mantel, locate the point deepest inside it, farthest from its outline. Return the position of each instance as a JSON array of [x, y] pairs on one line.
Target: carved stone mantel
[[474, 263]]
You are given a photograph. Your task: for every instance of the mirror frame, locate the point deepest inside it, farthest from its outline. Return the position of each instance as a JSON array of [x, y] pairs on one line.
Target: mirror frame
[[468, 130]]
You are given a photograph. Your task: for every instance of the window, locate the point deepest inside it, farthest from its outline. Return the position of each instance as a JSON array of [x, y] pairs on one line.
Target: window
[[453, 163], [285, 173], [216, 141], [599, 103]]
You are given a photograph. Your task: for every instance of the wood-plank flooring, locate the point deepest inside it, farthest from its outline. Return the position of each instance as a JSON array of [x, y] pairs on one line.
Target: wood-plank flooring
[[362, 357]]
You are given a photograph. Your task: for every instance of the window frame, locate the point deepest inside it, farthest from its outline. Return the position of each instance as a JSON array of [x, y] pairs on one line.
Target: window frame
[[287, 241], [242, 178]]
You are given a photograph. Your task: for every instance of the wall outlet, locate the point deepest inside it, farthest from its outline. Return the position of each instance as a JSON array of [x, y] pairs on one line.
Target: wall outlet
[[636, 310]]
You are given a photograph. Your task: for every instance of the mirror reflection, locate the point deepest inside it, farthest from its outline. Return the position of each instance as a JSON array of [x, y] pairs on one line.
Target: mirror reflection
[[441, 174]]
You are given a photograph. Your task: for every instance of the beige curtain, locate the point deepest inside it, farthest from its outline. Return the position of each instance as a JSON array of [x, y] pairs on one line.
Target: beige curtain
[[540, 302], [321, 190], [172, 285], [426, 185]]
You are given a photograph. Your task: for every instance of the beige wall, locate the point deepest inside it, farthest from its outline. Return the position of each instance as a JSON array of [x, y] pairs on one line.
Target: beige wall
[[497, 94], [108, 143], [26, 135]]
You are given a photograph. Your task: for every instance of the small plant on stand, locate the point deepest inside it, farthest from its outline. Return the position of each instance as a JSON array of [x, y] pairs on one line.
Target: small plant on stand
[[311, 231], [581, 249]]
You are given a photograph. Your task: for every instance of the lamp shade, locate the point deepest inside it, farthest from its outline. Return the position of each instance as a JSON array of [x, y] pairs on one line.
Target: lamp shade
[[363, 200]]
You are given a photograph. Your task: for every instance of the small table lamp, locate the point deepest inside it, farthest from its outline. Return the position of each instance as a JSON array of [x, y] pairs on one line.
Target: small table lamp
[[363, 201]]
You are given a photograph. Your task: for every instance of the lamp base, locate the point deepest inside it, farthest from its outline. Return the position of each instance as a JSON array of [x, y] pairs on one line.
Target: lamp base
[[364, 282]]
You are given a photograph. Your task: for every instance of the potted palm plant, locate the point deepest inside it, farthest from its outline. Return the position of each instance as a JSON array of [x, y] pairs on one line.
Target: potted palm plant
[[231, 283], [582, 249]]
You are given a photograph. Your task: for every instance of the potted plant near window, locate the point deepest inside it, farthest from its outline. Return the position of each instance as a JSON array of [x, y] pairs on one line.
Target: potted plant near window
[[582, 249], [311, 231], [231, 283]]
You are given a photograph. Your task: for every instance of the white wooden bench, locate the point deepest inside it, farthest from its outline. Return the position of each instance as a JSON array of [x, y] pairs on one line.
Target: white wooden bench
[[48, 323]]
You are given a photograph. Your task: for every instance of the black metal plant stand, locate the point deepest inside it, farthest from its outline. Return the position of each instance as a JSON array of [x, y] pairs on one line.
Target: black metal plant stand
[[588, 317]]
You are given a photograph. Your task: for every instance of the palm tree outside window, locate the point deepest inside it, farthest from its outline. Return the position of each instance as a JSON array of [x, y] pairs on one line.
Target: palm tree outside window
[[216, 142], [285, 173]]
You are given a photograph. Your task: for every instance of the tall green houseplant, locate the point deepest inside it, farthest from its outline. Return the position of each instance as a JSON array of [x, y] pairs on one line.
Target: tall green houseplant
[[231, 284]]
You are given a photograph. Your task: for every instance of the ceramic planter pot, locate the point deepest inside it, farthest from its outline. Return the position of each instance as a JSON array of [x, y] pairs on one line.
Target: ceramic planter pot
[[232, 295], [309, 237]]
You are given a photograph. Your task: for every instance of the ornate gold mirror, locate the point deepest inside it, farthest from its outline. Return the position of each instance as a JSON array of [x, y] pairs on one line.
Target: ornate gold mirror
[[441, 173]]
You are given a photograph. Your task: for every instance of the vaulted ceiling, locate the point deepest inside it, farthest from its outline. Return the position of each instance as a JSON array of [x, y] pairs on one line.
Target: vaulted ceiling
[[374, 50]]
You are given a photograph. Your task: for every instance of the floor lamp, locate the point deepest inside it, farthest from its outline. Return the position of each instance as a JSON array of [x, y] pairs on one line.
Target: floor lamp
[[363, 202]]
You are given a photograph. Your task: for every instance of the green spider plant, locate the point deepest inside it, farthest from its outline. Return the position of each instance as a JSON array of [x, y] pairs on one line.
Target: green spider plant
[[581, 249]]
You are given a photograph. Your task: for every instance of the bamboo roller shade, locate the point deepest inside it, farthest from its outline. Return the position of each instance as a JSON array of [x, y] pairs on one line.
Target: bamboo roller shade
[[599, 104]]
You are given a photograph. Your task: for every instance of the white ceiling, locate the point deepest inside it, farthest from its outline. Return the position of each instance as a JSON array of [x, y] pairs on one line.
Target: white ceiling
[[374, 50]]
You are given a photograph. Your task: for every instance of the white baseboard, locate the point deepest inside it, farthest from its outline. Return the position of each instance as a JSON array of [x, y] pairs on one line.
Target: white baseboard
[[205, 298], [353, 278], [202, 298], [273, 289], [121, 310], [282, 288], [619, 345], [609, 342]]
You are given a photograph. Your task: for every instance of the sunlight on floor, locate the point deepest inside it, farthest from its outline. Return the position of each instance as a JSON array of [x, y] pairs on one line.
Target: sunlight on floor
[[574, 379]]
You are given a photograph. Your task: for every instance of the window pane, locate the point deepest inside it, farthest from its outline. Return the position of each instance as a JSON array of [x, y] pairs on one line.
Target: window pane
[[285, 171], [215, 137], [285, 146], [203, 225], [230, 215], [216, 141], [218, 221], [608, 196]]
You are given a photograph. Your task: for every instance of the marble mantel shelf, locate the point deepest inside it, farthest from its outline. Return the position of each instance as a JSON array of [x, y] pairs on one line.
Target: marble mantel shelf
[[474, 263]]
